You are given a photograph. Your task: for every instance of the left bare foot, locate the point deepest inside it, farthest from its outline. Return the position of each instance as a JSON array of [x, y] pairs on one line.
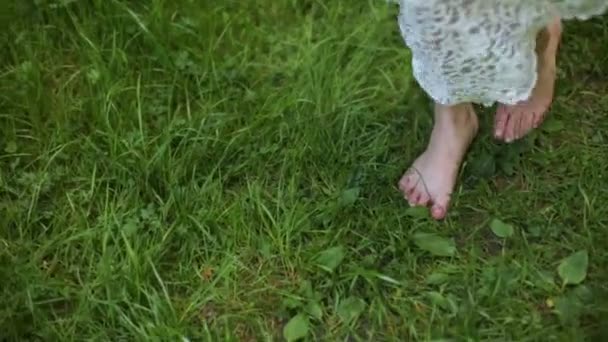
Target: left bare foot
[[431, 179], [515, 121]]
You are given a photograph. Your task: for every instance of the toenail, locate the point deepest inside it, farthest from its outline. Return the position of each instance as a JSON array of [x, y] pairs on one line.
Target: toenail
[[438, 212]]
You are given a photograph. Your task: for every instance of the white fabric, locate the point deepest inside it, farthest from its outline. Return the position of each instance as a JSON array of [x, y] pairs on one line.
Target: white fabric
[[481, 51]]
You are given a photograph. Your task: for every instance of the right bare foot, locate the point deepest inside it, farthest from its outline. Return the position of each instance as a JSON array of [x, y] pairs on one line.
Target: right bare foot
[[513, 122], [431, 179]]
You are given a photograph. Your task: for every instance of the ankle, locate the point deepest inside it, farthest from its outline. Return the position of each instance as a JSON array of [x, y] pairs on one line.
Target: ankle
[[461, 116], [456, 123]]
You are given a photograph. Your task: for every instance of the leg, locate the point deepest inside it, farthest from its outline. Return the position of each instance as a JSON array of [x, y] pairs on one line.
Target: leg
[[513, 122], [431, 179]]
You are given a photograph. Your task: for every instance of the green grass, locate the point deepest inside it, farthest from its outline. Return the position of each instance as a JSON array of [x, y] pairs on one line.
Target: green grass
[[211, 169]]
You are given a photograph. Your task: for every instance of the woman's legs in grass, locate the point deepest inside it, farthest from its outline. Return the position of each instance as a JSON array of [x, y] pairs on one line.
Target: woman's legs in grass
[[431, 179]]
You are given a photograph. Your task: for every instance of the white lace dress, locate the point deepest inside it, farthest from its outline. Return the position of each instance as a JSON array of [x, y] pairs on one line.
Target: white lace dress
[[481, 51]]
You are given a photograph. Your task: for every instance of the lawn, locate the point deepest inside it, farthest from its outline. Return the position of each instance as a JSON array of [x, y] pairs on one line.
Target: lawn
[[227, 170]]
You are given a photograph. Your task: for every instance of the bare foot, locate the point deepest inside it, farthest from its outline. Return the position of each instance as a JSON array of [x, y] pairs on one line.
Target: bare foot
[[431, 179], [513, 122]]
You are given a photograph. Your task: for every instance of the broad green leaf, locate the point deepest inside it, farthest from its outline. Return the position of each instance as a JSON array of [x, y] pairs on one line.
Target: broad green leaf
[[331, 258], [306, 289], [314, 309], [552, 126], [350, 308], [291, 302], [349, 197], [296, 328], [437, 299], [417, 212], [573, 269], [501, 229], [571, 305], [435, 244], [437, 278], [543, 279], [583, 294], [568, 308]]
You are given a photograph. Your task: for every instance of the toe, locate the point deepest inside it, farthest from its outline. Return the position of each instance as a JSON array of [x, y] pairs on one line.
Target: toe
[[409, 198], [527, 124], [438, 212], [412, 196], [405, 183], [500, 121], [410, 193], [509, 134], [520, 126], [440, 207], [424, 199], [416, 197], [538, 119]]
